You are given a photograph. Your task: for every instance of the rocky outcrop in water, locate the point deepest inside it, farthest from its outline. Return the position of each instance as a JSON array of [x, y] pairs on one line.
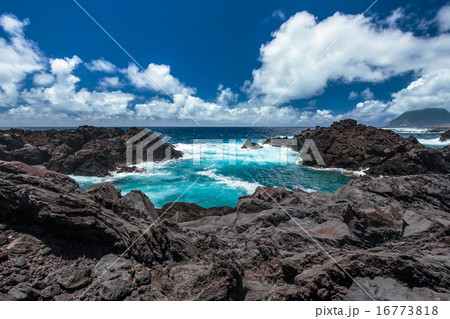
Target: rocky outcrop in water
[[87, 150], [445, 136], [59, 242], [250, 145], [353, 146]]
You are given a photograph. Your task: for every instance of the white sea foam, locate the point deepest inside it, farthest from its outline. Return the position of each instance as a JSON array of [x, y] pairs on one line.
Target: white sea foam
[[343, 171], [434, 142], [408, 130], [308, 190], [249, 187], [88, 179], [232, 152]]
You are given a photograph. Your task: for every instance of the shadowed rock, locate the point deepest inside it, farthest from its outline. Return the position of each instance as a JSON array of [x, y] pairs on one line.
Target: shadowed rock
[[347, 145], [87, 150], [445, 136], [275, 245]]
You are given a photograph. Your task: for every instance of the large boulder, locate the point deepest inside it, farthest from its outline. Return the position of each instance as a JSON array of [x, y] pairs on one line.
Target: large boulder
[[115, 275], [347, 145], [70, 277], [445, 136]]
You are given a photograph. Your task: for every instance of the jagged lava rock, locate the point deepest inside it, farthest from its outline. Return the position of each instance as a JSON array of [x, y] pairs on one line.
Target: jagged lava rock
[[87, 150], [353, 146], [275, 245], [445, 136]]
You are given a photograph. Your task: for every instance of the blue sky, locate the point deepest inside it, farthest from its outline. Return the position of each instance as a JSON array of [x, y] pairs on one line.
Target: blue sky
[[222, 62]]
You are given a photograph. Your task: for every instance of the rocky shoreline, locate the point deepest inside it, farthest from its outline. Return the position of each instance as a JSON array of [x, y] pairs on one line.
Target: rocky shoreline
[[87, 150], [353, 146], [390, 233]]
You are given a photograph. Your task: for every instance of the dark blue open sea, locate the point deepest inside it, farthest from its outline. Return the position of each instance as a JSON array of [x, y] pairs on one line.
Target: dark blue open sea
[[215, 171]]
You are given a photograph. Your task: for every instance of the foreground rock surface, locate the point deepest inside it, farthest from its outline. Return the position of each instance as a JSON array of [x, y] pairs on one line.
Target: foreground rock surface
[[87, 150], [64, 243], [347, 145]]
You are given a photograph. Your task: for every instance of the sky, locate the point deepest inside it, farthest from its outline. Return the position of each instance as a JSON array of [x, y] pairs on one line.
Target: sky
[[221, 63]]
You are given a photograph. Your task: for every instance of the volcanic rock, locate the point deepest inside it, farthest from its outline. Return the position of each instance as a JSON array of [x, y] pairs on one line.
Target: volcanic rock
[[347, 145], [250, 145], [116, 289], [87, 150], [112, 267], [445, 136], [387, 289], [23, 291], [183, 212], [71, 277], [275, 245]]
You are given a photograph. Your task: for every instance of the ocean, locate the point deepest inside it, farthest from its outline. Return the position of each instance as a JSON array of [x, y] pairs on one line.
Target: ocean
[[215, 171]]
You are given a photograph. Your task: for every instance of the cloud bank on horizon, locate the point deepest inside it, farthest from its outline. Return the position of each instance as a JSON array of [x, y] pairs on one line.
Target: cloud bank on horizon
[[39, 90]]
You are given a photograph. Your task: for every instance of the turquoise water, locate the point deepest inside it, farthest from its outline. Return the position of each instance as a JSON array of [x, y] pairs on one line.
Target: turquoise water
[[430, 139], [216, 171]]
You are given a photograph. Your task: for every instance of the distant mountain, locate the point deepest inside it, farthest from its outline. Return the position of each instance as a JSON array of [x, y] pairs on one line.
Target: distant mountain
[[422, 118]]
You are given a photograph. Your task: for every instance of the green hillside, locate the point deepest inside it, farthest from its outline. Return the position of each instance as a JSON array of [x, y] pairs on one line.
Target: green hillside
[[422, 118]]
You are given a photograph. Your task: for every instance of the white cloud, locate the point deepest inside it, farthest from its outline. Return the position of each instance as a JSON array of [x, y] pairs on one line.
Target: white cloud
[[367, 94], [367, 52], [432, 90], [225, 96], [18, 58], [353, 95], [64, 101], [396, 15], [279, 13], [64, 66], [156, 78], [12, 25], [101, 65], [443, 18], [110, 82], [43, 79]]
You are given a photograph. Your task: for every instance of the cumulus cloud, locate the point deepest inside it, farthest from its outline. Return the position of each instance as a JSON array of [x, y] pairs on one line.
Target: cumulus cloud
[[43, 79], [64, 97], [365, 53], [101, 65], [18, 58], [443, 18], [110, 82], [432, 90], [156, 78], [225, 96], [371, 51]]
